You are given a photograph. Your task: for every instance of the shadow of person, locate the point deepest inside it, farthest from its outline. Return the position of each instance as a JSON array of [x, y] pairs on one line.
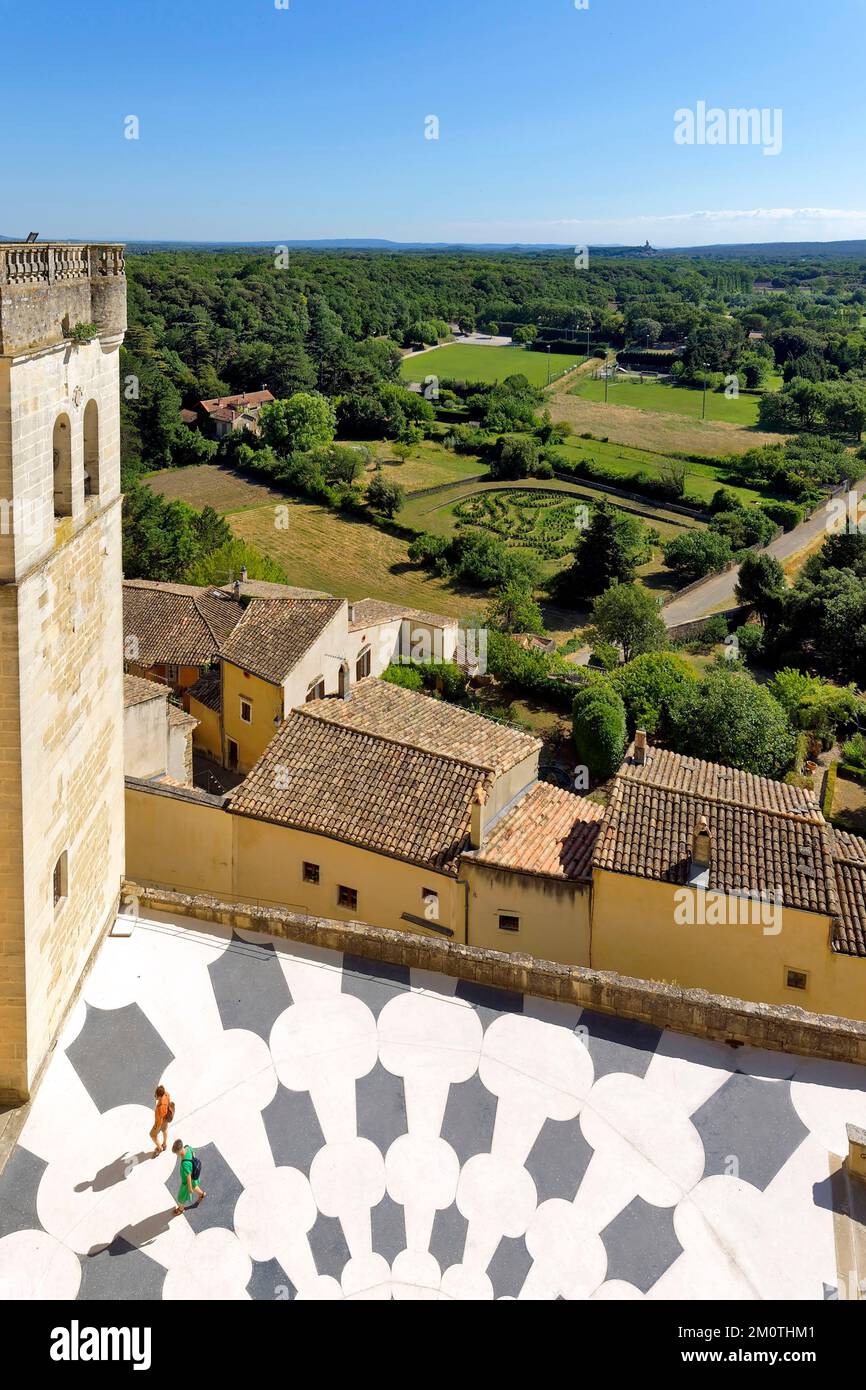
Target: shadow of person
[[136, 1236], [113, 1172]]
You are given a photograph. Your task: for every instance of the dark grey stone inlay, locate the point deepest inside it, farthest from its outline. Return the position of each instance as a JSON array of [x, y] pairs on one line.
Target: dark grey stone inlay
[[448, 1237], [249, 986], [223, 1190], [509, 1267], [328, 1245], [269, 1283], [618, 1044], [469, 1118], [389, 1228], [374, 981], [19, 1183], [641, 1244], [119, 1057], [558, 1159], [381, 1102], [753, 1121], [489, 1000], [293, 1129], [120, 1272]]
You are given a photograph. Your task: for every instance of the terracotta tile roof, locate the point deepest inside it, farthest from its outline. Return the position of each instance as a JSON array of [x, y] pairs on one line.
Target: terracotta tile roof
[[263, 588], [367, 612], [136, 690], [548, 831], [362, 789], [676, 772], [274, 634], [849, 932], [208, 691], [236, 403], [648, 832], [760, 842], [377, 707], [178, 718], [175, 624]]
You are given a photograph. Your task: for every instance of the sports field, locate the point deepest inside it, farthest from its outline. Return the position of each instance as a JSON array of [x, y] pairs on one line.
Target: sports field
[[674, 400], [465, 362]]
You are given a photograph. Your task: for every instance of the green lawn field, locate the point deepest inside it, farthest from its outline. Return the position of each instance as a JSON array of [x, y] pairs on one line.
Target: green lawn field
[[673, 400], [702, 479], [465, 362]]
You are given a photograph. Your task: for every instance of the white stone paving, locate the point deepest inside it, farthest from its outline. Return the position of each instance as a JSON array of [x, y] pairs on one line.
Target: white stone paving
[[443, 1147]]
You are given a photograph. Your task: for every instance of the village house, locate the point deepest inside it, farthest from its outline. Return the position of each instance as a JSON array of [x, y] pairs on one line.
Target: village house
[[293, 645], [223, 414], [172, 632], [157, 733], [400, 810], [713, 878]]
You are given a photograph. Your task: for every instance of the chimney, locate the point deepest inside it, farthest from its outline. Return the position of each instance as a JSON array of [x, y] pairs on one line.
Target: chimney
[[640, 746], [237, 588], [476, 828], [243, 574], [702, 845]]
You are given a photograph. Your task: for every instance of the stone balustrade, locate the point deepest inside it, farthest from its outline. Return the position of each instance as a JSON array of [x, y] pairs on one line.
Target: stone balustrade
[[46, 288], [48, 262]]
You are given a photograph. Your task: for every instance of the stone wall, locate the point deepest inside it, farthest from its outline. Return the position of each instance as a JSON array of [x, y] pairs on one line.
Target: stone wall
[[48, 284], [778, 1028]]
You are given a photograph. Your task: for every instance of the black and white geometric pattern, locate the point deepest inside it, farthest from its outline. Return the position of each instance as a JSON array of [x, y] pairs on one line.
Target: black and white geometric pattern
[[367, 1131]]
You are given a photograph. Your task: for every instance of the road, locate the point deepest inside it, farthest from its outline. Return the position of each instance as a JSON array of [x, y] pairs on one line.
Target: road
[[717, 590]]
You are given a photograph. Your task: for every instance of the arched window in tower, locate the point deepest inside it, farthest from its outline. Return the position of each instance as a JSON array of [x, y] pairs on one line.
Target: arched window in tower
[[91, 449], [62, 466]]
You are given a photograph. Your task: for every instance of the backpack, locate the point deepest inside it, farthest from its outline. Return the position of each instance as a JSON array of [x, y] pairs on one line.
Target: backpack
[[169, 1114], [196, 1166]]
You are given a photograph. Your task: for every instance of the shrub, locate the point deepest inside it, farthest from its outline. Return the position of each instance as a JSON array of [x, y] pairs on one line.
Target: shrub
[[648, 685], [785, 514], [854, 750], [750, 639], [830, 791], [409, 677], [599, 728]]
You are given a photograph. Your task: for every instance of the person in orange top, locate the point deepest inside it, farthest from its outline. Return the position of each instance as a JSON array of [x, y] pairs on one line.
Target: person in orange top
[[163, 1114]]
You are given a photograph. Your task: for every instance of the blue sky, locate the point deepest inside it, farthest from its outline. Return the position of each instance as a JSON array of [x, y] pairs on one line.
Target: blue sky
[[555, 123]]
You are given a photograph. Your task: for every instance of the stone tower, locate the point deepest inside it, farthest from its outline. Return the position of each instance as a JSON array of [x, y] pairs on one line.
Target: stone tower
[[62, 320]]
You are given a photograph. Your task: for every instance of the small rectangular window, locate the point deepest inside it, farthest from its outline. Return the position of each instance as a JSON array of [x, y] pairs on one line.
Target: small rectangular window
[[796, 979], [430, 899], [246, 711], [508, 923], [311, 873], [363, 665], [347, 897], [61, 879]]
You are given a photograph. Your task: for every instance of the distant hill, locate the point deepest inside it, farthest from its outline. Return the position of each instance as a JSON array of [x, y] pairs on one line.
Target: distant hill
[[751, 251]]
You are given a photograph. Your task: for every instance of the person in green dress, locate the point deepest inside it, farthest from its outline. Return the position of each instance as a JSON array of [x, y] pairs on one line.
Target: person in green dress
[[188, 1184]]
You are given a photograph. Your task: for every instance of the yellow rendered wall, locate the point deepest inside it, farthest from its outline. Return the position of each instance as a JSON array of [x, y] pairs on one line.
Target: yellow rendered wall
[[634, 932], [176, 843], [206, 735], [554, 915], [269, 869], [267, 702], [188, 845]]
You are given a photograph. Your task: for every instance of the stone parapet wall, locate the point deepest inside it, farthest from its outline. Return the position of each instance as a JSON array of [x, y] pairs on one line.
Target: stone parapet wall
[[46, 285], [776, 1027]]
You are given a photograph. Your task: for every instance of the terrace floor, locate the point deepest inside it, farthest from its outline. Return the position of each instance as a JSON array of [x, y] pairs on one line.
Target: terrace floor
[[370, 1132]]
